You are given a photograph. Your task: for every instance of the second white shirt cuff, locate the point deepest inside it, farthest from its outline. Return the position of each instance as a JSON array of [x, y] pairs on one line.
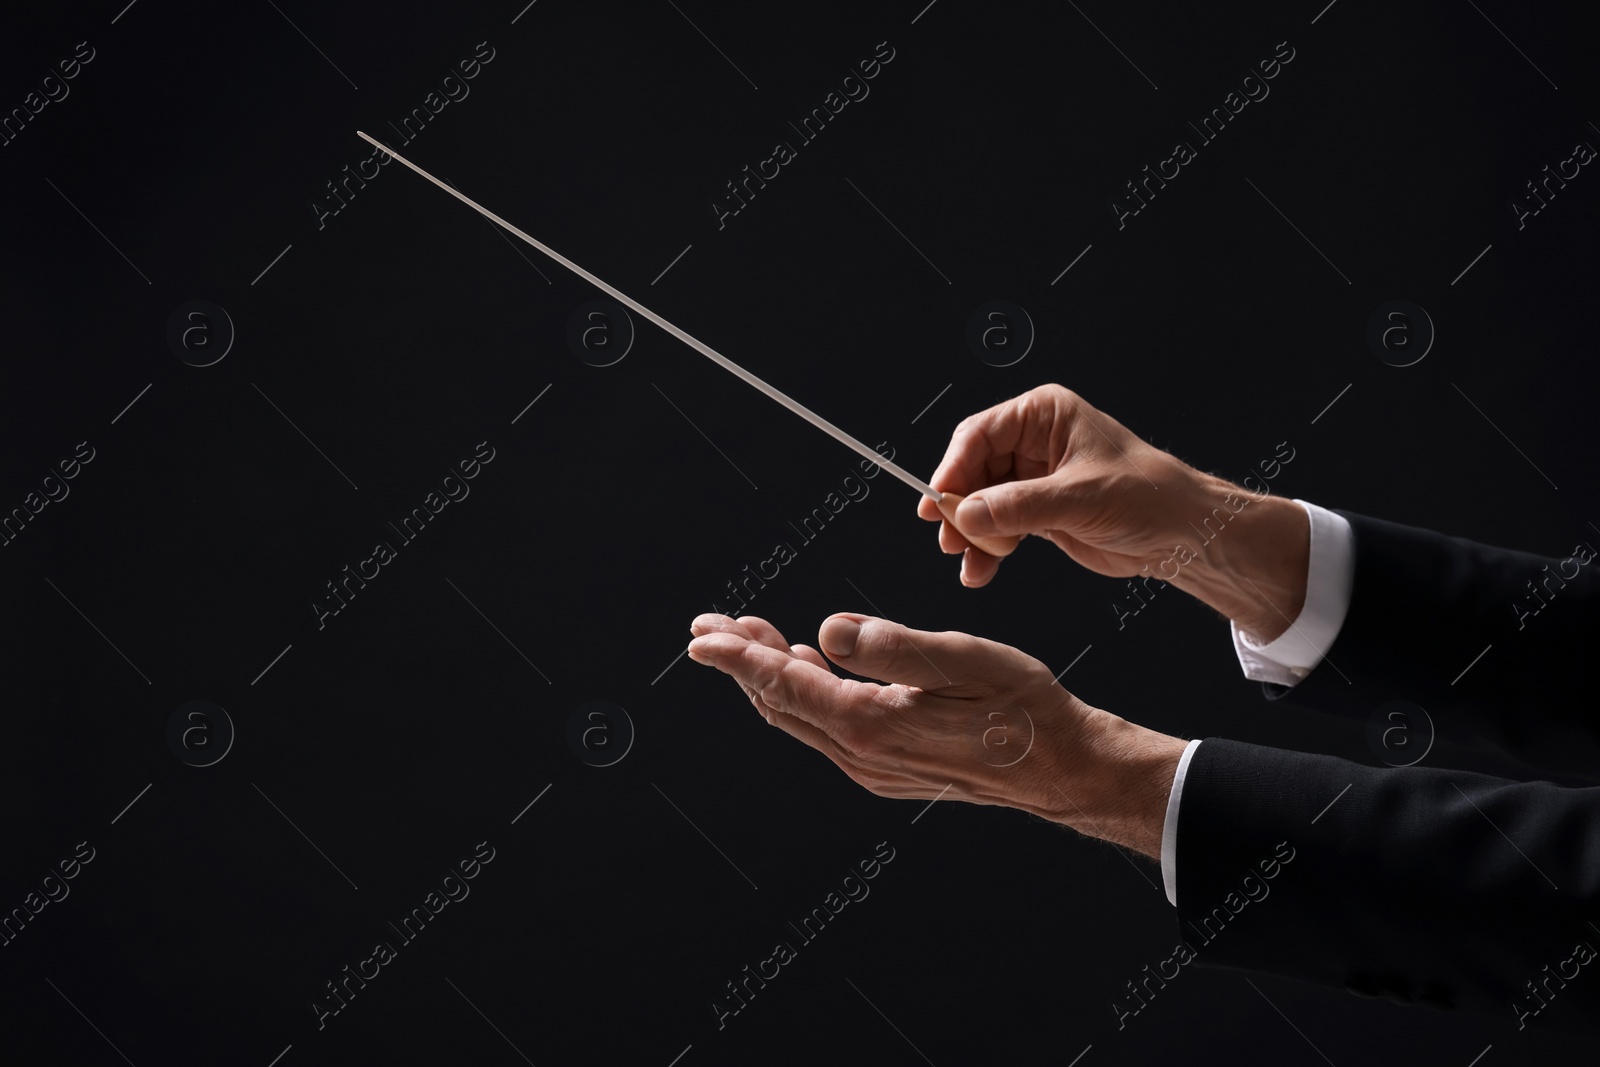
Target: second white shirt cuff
[[1287, 659], [1169, 828]]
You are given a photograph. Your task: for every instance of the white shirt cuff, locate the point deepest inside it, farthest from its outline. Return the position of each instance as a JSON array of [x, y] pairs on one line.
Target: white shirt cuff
[[1169, 828], [1287, 659]]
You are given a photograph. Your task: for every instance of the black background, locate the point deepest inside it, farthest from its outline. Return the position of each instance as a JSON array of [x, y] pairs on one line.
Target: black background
[[425, 716]]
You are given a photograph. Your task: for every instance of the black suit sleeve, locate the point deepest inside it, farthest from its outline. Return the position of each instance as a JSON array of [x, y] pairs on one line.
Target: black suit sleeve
[[1442, 887], [1496, 645]]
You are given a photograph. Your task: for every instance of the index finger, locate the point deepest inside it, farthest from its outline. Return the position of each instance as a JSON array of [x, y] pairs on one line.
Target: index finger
[[1023, 437]]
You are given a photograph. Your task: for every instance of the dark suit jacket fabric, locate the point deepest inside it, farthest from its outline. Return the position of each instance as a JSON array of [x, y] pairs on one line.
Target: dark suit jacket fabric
[[1424, 605], [1426, 885]]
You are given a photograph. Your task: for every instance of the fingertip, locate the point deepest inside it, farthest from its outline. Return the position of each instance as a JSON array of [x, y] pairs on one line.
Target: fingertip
[[855, 616], [978, 568], [809, 655], [951, 543], [838, 637], [839, 633], [709, 646]]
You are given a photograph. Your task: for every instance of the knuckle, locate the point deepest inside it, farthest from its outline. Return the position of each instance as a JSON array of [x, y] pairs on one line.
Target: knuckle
[[883, 641], [765, 677]]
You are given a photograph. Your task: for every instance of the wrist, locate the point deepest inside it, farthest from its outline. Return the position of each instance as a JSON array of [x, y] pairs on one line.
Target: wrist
[[1250, 558], [1121, 795]]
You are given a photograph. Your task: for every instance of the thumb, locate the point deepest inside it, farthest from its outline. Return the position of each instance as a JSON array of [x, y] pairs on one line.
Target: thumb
[[1014, 508], [885, 650]]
